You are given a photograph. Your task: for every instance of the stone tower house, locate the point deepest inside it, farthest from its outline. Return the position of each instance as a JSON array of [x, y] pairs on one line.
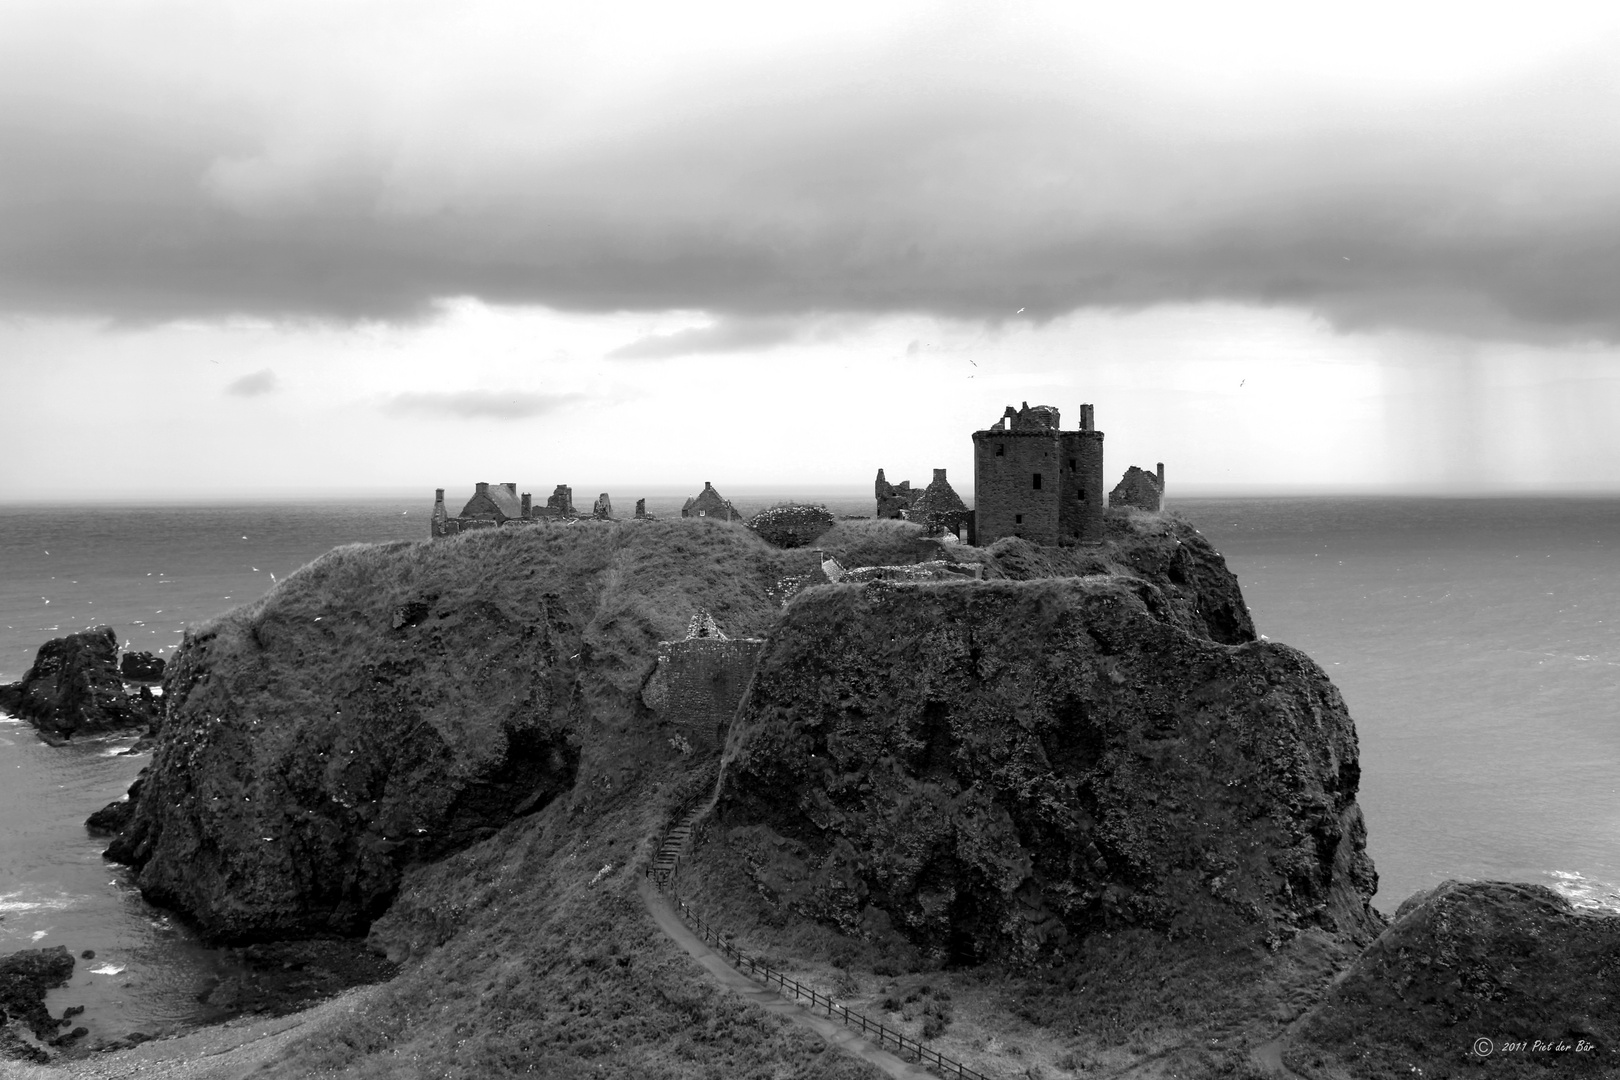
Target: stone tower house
[[1034, 480]]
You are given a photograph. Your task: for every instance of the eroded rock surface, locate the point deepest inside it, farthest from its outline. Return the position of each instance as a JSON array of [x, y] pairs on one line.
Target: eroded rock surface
[[318, 746], [998, 769]]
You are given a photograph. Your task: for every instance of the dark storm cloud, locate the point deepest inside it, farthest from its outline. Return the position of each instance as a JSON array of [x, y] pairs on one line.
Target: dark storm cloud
[[477, 404], [760, 196], [254, 385]]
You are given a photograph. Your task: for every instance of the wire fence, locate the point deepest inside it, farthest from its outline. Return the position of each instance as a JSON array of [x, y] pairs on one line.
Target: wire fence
[[663, 873]]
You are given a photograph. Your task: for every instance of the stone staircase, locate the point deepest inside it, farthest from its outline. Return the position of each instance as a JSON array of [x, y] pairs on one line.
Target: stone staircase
[[676, 843]]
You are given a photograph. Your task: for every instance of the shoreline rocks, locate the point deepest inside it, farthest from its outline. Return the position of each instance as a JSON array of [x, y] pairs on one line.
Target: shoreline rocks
[[75, 688], [25, 978]]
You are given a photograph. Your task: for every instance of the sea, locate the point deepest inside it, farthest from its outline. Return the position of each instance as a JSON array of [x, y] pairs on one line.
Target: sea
[[1476, 642]]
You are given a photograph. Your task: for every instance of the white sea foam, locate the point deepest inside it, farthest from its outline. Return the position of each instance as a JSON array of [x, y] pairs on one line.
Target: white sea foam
[[107, 969], [19, 902], [1582, 892], [37, 934]]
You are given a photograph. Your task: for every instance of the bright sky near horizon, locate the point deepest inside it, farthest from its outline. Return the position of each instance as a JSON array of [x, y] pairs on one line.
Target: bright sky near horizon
[[259, 249]]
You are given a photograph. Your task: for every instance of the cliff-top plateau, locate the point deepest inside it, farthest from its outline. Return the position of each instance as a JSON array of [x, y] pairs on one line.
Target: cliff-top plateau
[[1057, 811]]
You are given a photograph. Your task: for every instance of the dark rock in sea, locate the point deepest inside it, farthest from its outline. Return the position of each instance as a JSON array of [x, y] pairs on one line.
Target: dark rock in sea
[[115, 816], [1511, 964], [141, 667], [997, 770], [24, 979], [74, 688]]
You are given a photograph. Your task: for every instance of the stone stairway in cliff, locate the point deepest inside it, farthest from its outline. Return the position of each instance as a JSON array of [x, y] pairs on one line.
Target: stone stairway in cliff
[[676, 842]]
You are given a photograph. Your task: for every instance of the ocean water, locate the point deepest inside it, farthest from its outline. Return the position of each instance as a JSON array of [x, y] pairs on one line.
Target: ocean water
[[1477, 643]]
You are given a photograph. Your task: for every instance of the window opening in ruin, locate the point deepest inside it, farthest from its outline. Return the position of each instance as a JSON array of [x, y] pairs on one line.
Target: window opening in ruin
[[1037, 481], [1071, 464], [1018, 519], [1082, 494], [1000, 450]]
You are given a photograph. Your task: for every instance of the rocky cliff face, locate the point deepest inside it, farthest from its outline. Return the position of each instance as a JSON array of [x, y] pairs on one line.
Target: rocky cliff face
[[387, 705], [318, 745], [998, 769]]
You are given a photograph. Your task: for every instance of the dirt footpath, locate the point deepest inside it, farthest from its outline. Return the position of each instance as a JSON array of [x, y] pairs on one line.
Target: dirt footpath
[[228, 1051]]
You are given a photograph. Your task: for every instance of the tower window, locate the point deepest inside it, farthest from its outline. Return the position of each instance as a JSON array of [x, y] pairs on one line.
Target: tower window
[[1018, 519], [1001, 450], [1082, 494], [1071, 464], [1037, 481]]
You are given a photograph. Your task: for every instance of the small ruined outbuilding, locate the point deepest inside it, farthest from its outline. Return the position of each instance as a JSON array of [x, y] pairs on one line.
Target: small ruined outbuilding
[[708, 503], [893, 500], [699, 682], [1139, 488]]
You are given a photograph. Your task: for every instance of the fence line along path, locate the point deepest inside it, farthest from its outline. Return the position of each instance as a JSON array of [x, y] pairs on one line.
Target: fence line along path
[[663, 874]]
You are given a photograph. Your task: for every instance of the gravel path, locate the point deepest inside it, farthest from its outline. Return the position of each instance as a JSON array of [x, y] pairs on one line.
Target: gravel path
[[228, 1051], [834, 1033]]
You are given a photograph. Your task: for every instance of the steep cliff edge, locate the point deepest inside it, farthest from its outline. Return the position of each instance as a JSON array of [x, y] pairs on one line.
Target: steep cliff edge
[[998, 770]]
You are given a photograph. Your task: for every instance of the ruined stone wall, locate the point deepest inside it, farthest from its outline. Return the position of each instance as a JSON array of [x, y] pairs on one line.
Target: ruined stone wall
[[1138, 488], [1006, 500], [893, 500], [704, 680]]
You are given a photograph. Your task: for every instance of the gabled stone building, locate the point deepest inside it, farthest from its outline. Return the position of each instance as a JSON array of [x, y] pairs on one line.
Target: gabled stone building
[[708, 503], [494, 505]]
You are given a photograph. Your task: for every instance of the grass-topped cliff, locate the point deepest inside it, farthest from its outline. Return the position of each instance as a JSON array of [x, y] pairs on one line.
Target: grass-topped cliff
[[445, 747]]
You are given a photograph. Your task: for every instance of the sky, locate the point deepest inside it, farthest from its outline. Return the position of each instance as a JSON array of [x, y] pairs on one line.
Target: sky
[[272, 249]]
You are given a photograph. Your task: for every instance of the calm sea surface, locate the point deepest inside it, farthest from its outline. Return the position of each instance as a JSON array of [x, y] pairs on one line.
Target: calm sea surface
[[1477, 643]]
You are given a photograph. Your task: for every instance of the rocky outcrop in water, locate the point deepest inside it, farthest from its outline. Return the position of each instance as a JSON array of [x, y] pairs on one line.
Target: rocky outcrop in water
[[141, 667], [998, 769], [74, 688], [25, 977]]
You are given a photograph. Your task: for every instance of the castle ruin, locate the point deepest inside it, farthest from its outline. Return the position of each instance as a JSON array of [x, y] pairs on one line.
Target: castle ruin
[[1033, 479]]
